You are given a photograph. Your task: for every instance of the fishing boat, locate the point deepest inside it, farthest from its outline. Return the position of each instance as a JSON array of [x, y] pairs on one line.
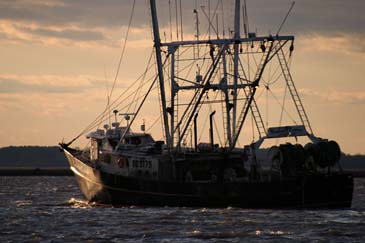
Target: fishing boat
[[212, 80]]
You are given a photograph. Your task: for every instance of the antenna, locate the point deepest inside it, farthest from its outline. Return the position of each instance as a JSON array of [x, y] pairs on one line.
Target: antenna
[[115, 114], [170, 20], [286, 16], [127, 116], [107, 91], [176, 21], [195, 47], [245, 19], [196, 23], [217, 26], [181, 23], [209, 18]]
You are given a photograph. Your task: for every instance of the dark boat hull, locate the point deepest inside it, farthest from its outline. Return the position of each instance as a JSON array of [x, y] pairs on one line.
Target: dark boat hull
[[315, 191]]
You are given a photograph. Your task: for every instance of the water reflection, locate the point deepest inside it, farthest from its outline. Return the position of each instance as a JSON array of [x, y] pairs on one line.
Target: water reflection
[[51, 209]]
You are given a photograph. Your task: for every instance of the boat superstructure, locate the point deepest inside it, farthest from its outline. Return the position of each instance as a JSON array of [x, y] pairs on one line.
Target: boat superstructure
[[213, 80]]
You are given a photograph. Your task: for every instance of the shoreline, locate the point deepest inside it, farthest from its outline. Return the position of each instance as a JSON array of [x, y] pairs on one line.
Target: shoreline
[[29, 171]]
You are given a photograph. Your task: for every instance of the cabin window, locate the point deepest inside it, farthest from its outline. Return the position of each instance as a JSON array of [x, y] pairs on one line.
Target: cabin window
[[135, 141], [139, 139]]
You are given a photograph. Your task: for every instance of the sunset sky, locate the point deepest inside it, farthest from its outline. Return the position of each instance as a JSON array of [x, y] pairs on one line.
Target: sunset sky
[[59, 58]]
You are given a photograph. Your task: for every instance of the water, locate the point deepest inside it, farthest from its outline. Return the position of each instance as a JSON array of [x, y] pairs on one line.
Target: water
[[51, 209]]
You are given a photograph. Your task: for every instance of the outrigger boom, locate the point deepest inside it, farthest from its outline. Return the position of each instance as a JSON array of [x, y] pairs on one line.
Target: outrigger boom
[[227, 41]]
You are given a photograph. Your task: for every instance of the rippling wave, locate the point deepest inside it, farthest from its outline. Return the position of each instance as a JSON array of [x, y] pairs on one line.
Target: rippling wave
[[51, 209]]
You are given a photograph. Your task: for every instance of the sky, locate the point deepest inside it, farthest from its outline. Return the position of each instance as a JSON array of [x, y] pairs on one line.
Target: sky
[[59, 59]]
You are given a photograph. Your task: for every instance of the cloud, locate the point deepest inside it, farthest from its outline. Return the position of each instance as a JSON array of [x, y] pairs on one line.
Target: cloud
[[45, 104], [93, 22], [336, 42], [71, 34], [84, 13], [81, 23], [51, 84], [332, 96], [64, 36], [309, 15], [323, 16], [336, 96], [15, 86]]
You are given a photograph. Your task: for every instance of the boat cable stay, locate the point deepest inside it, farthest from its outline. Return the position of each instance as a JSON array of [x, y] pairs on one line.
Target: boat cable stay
[[208, 86], [98, 120], [124, 96], [123, 49]]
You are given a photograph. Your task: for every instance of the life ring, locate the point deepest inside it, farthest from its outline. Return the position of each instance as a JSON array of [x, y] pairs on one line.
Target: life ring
[[122, 162]]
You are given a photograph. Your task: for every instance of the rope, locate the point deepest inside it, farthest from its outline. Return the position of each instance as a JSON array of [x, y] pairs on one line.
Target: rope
[[116, 75], [100, 117], [282, 110], [154, 123], [124, 46], [139, 108], [282, 107], [141, 85], [127, 105]]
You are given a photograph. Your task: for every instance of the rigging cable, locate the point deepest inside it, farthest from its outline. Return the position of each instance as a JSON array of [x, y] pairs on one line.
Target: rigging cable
[[142, 96], [181, 23], [187, 110], [170, 23], [285, 92], [139, 108], [101, 116], [107, 91], [209, 18], [140, 86], [119, 64], [276, 99], [176, 21], [222, 18], [124, 46], [154, 123], [211, 26], [286, 16], [282, 110], [277, 69]]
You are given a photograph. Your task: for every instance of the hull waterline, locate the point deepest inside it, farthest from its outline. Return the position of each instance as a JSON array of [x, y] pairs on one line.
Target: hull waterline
[[317, 191]]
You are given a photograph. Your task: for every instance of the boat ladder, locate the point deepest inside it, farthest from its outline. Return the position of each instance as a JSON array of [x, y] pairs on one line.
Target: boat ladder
[[293, 91]]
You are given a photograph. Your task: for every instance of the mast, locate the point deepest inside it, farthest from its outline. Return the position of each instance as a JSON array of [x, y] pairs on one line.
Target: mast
[[171, 51], [157, 41], [235, 61], [226, 100]]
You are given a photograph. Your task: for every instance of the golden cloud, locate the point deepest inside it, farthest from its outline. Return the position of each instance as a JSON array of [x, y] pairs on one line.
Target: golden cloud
[[344, 43], [336, 96]]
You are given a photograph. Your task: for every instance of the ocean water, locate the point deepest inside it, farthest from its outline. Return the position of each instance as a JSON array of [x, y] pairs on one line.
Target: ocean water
[[51, 209]]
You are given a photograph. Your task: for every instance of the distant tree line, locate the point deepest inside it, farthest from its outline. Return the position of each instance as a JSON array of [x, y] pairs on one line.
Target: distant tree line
[[43, 156], [353, 162], [32, 156]]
